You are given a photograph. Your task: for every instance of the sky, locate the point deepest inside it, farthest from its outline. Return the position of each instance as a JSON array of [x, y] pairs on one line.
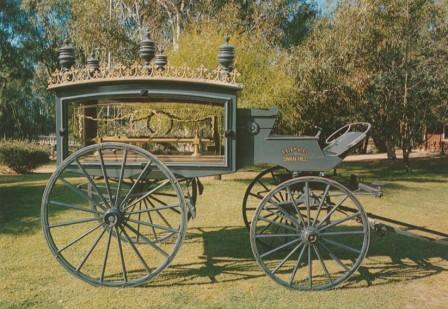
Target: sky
[[326, 6]]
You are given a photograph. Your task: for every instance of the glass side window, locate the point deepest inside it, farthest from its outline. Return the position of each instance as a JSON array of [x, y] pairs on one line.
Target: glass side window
[[180, 132]]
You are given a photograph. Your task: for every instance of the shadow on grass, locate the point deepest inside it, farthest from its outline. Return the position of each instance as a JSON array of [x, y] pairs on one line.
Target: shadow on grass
[[228, 257], [422, 170], [20, 198]]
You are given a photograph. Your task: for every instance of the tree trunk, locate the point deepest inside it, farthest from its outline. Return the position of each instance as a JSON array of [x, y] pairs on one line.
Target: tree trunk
[[406, 154], [390, 148]]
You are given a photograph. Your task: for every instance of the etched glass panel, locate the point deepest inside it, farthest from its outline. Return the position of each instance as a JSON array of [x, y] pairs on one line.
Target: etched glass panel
[[175, 131]]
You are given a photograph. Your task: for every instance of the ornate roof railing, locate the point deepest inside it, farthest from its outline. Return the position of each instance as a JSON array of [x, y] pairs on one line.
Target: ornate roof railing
[[136, 71], [224, 74]]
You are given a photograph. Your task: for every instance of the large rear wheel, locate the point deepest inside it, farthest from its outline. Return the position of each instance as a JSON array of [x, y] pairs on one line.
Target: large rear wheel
[[127, 228]]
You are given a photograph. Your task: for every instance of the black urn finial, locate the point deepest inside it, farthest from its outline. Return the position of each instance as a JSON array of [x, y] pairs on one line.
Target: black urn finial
[[66, 55], [92, 62], [226, 55], [147, 48], [160, 60]]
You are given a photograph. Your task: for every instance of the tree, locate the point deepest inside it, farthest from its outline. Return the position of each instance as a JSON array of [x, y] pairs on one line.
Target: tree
[[376, 61], [17, 45], [262, 68]]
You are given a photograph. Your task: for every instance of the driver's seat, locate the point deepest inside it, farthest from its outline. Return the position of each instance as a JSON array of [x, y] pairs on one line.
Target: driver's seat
[[341, 145]]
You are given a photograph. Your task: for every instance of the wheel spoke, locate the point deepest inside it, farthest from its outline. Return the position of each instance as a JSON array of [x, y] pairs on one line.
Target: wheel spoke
[[134, 185], [270, 223], [84, 260], [285, 214], [158, 212], [120, 249], [296, 267], [92, 183], [65, 205], [106, 179], [256, 196], [136, 250], [120, 179], [165, 194], [343, 233], [332, 211], [327, 188], [72, 222], [279, 248], [147, 194], [277, 223], [307, 203], [296, 206], [79, 238], [267, 189], [334, 257], [356, 214], [276, 235], [310, 268], [106, 255], [80, 193], [149, 242], [152, 209], [287, 257], [322, 263], [152, 197], [337, 244], [153, 225], [150, 220]]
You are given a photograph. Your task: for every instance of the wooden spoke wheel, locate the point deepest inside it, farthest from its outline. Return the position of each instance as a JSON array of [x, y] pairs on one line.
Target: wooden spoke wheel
[[131, 194], [324, 241], [261, 185]]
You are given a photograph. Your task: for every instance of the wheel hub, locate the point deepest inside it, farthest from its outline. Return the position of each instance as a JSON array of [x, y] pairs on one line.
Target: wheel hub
[[310, 235], [113, 217]]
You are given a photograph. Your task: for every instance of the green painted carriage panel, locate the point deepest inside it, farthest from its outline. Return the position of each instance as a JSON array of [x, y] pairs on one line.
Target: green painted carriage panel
[[256, 144]]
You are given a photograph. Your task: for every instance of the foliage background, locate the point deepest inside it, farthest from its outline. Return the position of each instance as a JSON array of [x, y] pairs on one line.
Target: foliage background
[[368, 60]]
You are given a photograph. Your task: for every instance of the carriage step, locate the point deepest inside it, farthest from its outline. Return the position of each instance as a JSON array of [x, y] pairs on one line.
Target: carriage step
[[373, 189], [360, 188]]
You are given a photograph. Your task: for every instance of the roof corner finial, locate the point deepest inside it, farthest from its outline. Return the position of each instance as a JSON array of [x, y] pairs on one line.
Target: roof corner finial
[[160, 59], [66, 55], [226, 55], [147, 48], [93, 63]]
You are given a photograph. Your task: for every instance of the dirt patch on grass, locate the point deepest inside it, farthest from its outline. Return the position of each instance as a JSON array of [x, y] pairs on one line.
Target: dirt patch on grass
[[4, 170], [429, 294]]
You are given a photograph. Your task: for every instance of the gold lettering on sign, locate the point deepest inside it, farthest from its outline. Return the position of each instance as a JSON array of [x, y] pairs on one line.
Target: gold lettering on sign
[[294, 153]]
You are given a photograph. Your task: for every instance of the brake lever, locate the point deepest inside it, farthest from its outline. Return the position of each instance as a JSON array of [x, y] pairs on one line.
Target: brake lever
[[318, 132]]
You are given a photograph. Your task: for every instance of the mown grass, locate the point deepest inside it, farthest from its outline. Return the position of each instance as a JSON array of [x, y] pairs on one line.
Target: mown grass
[[215, 267]]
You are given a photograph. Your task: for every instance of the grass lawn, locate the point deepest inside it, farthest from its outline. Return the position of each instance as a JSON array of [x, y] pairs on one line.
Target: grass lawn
[[215, 267]]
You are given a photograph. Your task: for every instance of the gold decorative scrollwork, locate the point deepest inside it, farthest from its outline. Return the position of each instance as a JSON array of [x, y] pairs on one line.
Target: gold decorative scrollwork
[[83, 74]]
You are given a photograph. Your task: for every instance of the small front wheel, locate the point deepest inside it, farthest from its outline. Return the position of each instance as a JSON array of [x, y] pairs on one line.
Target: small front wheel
[[322, 240]]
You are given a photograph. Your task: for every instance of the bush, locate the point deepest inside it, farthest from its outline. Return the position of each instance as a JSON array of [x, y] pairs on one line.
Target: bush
[[22, 156]]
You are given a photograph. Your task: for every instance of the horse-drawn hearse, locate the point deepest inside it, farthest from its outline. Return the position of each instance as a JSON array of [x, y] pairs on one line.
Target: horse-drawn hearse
[[132, 142]]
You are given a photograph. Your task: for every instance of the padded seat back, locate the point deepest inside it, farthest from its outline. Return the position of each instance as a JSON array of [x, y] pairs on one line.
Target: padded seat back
[[344, 143]]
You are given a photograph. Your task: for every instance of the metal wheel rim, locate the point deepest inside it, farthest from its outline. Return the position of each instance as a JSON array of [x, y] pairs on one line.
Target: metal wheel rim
[[66, 264], [333, 283]]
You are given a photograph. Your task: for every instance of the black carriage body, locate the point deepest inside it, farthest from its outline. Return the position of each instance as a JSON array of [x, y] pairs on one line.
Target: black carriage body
[[162, 91]]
